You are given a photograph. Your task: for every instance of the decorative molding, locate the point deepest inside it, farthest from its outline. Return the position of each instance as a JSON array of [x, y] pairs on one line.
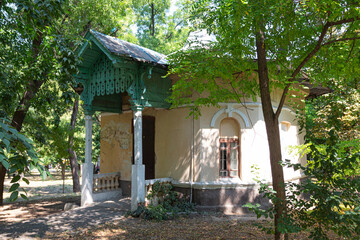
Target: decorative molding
[[256, 104], [229, 110]]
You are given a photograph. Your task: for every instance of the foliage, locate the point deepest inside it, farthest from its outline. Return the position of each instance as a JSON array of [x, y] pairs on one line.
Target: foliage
[[101, 15], [328, 198], [17, 155], [37, 43], [264, 49], [158, 28], [338, 111], [164, 203], [224, 69]]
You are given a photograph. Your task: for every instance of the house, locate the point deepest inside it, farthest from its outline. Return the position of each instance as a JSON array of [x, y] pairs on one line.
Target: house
[[214, 158]]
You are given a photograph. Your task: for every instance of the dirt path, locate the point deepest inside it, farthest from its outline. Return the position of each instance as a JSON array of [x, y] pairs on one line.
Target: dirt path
[[26, 210], [69, 221], [39, 189]]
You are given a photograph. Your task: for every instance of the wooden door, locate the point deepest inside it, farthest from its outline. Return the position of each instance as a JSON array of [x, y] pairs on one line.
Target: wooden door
[[148, 137], [149, 146]]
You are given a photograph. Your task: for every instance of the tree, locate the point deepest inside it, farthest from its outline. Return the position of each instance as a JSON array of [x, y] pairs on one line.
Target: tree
[[72, 154], [157, 28], [34, 50], [38, 39], [281, 42]]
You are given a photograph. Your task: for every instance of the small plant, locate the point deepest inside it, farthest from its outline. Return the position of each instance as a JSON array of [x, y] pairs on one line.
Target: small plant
[[165, 203]]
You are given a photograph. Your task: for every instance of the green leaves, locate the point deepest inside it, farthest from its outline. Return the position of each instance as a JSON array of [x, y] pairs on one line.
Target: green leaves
[[160, 29], [14, 187], [16, 155], [15, 179], [14, 196]]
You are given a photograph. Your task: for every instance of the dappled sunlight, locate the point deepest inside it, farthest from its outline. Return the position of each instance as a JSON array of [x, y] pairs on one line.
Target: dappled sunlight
[[26, 210], [91, 216], [38, 188]]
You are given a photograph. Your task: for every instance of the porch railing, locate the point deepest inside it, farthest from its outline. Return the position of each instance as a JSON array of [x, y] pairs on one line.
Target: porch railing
[[106, 182]]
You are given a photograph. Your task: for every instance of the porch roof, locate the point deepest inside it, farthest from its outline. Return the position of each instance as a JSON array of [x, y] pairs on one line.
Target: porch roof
[[111, 67], [125, 49]]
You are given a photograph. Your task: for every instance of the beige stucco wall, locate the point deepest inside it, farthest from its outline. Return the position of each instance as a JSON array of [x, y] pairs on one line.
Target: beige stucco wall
[[173, 141], [254, 150], [175, 133], [116, 144]]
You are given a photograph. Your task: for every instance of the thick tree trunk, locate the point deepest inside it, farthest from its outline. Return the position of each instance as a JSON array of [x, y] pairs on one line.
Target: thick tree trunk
[[72, 154], [273, 135], [24, 104]]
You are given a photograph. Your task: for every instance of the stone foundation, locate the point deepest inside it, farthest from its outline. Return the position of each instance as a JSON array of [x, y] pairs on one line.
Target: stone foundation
[[225, 199]]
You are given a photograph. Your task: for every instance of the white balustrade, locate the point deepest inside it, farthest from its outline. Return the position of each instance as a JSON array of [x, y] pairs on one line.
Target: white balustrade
[[106, 182]]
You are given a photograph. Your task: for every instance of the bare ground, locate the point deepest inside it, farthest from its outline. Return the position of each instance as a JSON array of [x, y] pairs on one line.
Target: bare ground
[[42, 217], [45, 197]]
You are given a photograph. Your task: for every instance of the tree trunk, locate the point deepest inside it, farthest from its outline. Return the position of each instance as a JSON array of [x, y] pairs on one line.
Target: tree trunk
[[72, 154], [24, 104], [63, 164], [273, 135], [152, 22], [2, 179]]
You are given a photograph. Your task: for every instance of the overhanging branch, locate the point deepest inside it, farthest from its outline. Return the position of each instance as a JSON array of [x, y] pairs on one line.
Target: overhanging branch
[[340, 40], [310, 55]]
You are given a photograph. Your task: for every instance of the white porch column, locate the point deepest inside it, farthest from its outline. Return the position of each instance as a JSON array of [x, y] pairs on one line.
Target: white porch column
[[138, 169], [87, 168]]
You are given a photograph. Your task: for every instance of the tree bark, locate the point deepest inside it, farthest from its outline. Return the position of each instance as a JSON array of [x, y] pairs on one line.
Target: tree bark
[[72, 154], [63, 165], [2, 179], [152, 22], [273, 134], [24, 104]]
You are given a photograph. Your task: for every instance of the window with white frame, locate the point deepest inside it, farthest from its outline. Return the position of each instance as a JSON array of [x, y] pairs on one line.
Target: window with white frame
[[229, 157]]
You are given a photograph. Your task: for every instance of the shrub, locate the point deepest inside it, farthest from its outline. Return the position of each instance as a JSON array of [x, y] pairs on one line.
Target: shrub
[[165, 203]]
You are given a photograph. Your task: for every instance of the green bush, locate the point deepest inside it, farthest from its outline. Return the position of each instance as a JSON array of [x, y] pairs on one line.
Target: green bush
[[168, 205], [328, 199]]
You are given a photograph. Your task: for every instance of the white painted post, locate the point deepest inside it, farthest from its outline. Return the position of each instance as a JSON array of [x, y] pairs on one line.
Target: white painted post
[[138, 169], [87, 168]]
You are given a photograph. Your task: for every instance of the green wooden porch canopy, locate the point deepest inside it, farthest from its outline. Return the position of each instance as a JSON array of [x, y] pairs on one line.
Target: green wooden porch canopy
[[111, 68]]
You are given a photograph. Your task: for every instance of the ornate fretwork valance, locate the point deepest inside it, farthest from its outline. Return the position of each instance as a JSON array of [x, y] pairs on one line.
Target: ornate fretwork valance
[[107, 80]]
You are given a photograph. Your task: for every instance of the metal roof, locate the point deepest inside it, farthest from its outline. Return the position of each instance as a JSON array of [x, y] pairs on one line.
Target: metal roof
[[123, 48]]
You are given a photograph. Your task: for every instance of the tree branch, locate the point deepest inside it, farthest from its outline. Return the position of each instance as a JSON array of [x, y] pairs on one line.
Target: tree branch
[[349, 20], [310, 55], [351, 50], [340, 40]]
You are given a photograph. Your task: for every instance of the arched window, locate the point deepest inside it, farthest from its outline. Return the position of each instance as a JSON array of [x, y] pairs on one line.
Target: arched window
[[229, 160]]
